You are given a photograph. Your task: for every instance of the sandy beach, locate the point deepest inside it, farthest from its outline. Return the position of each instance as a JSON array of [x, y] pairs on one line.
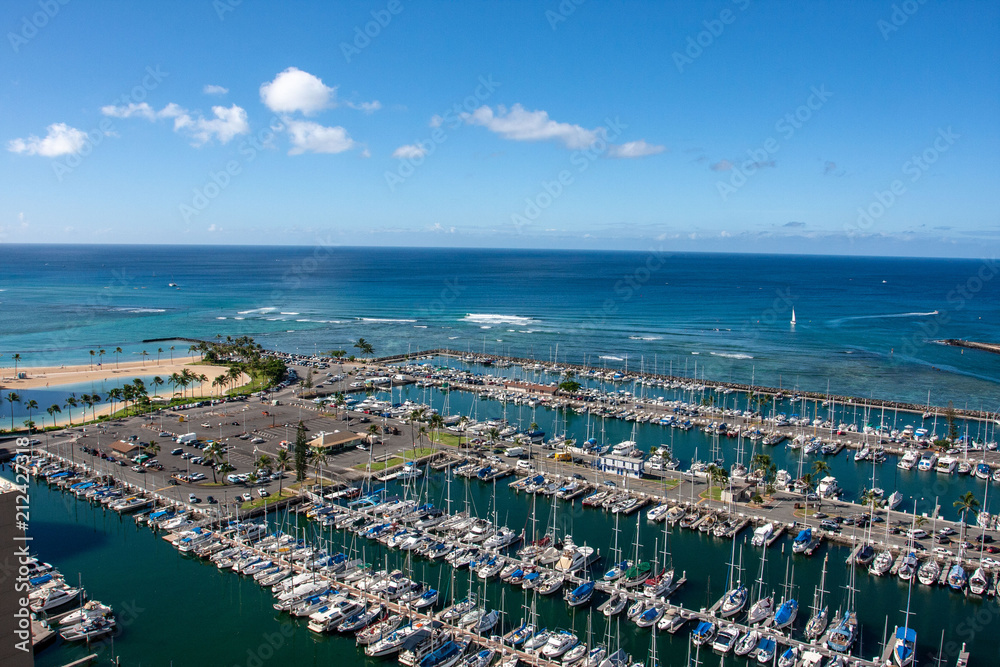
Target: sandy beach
[[45, 376]]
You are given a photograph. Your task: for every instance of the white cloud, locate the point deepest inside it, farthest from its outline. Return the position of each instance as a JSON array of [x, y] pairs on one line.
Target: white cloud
[[295, 90], [61, 139], [309, 137], [634, 149], [519, 124], [142, 110], [409, 152], [227, 123], [212, 89], [367, 107]]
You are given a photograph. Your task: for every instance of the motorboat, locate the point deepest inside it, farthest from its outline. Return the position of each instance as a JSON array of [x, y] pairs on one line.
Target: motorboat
[[762, 534], [558, 643], [88, 630], [725, 639]]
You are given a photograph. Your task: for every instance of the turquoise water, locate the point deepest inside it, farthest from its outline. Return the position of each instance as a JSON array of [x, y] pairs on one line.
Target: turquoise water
[[177, 610], [865, 325], [58, 393]]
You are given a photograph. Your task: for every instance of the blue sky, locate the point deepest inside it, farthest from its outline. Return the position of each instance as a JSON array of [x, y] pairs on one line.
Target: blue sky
[[736, 125]]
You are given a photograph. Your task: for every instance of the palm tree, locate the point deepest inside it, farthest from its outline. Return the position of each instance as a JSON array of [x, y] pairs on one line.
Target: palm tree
[[118, 351], [263, 461], [819, 468], [171, 354], [31, 405], [281, 463], [364, 347], [12, 398], [159, 351], [339, 400], [70, 404], [53, 410], [213, 453], [493, 433], [16, 358], [234, 373], [100, 357], [318, 457], [114, 395], [156, 382], [94, 400], [415, 416], [436, 422], [224, 469], [220, 382], [967, 503], [152, 448], [92, 353], [202, 379], [142, 354]]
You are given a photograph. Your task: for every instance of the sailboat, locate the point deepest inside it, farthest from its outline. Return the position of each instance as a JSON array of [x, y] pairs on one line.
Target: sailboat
[[764, 606], [820, 614], [905, 646], [789, 607], [736, 597], [845, 630], [793, 317]]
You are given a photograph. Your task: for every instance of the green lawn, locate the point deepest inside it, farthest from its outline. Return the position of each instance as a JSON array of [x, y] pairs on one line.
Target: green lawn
[[449, 439], [270, 500], [378, 466], [671, 483], [715, 493]]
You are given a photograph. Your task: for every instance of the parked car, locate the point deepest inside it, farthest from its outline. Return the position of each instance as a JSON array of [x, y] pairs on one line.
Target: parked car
[[246, 497], [193, 498], [177, 451]]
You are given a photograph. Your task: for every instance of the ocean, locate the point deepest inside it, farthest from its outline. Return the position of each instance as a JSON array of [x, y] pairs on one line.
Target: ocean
[[865, 326]]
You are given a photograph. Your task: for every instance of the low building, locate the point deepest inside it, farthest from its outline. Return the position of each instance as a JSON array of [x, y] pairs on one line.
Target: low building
[[737, 492], [124, 449], [333, 442], [626, 466]]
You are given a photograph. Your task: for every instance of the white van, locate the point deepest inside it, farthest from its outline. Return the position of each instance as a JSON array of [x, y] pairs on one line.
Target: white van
[[186, 438], [524, 465]]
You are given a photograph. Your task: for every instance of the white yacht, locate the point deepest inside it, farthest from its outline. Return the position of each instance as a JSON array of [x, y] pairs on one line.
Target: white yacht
[[908, 460], [946, 465], [927, 461]]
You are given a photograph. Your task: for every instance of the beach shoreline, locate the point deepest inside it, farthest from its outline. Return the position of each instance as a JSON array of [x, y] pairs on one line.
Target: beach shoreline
[[45, 376]]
